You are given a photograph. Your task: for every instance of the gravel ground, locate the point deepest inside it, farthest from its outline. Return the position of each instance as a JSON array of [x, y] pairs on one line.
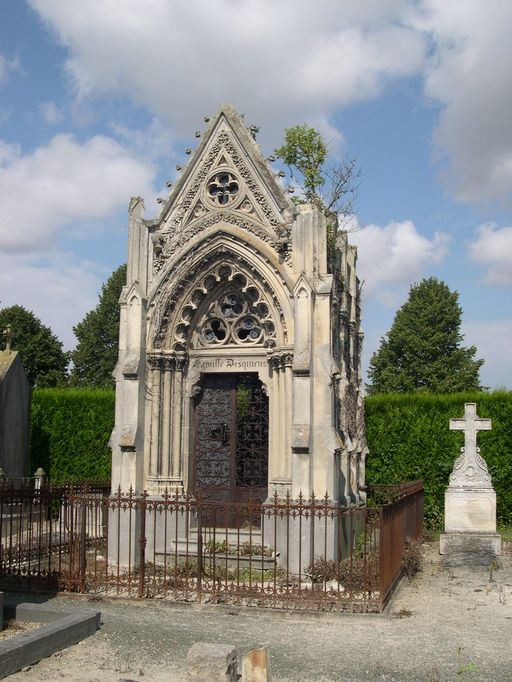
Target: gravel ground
[[444, 624]]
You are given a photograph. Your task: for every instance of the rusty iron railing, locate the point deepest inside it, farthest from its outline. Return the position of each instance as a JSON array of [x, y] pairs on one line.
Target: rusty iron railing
[[401, 519], [282, 553]]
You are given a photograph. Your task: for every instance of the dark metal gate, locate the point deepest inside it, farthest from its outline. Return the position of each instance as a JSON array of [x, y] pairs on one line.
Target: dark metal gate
[[231, 439]]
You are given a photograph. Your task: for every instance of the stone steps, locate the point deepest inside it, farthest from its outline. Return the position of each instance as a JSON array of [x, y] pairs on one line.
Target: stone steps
[[183, 547]]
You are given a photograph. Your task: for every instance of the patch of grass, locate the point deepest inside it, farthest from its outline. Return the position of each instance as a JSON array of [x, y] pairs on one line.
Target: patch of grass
[[506, 533], [217, 547], [249, 549], [464, 667]]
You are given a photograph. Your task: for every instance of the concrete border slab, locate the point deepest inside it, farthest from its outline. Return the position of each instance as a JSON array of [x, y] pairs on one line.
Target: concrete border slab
[[62, 629]]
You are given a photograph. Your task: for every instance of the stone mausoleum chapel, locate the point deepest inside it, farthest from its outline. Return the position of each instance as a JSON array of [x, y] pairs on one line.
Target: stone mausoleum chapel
[[240, 340]]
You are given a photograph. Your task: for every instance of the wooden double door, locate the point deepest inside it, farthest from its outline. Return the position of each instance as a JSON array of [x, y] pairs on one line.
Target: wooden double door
[[231, 440]]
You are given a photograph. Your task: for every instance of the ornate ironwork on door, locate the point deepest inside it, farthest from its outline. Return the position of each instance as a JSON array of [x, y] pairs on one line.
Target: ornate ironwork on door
[[231, 434]]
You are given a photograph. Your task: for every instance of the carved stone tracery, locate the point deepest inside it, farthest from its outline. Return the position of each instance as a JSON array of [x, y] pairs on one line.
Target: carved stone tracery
[[236, 318], [222, 190], [200, 305]]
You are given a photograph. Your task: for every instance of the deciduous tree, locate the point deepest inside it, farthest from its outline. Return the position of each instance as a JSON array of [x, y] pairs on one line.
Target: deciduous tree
[[331, 186], [95, 356], [43, 358]]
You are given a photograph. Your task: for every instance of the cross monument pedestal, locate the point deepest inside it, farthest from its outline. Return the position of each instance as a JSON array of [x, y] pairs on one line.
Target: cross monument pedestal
[[470, 500]]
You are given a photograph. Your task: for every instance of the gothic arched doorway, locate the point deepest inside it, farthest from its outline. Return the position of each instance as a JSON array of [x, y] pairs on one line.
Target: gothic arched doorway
[[231, 439]]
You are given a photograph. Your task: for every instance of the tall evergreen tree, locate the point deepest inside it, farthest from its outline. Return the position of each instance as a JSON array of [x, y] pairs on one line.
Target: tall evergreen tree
[[95, 356], [41, 352], [422, 351]]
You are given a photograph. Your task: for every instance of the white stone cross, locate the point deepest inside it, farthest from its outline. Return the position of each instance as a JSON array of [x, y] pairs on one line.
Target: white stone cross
[[470, 469], [471, 423]]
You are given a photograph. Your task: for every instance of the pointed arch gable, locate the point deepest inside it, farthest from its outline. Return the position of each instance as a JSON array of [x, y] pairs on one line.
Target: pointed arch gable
[[227, 184], [207, 271]]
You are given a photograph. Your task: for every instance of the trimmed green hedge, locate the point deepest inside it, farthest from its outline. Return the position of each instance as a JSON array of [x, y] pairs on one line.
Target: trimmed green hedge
[[70, 432], [409, 438]]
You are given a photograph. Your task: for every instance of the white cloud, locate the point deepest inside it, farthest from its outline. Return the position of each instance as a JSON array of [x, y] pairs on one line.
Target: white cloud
[[292, 61], [492, 340], [51, 113], [282, 61], [64, 184], [7, 67], [58, 290], [393, 257], [156, 141], [469, 73], [493, 248]]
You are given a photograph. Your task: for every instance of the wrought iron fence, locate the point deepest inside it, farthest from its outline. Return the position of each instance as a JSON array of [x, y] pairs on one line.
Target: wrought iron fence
[[284, 553]]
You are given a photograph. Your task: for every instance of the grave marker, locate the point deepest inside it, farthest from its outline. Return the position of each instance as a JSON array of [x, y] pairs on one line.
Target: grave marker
[[470, 500]]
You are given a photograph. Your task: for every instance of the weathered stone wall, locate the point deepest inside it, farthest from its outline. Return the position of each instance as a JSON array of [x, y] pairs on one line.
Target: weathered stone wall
[[15, 396]]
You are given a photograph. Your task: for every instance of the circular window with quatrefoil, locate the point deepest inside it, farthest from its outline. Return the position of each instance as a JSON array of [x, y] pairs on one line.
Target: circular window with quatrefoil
[[222, 188]]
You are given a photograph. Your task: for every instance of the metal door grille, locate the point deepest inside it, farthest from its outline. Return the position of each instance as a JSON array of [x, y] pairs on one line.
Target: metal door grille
[[231, 437]]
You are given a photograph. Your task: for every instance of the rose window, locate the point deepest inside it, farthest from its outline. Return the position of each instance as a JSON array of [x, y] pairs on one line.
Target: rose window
[[235, 319], [222, 188]]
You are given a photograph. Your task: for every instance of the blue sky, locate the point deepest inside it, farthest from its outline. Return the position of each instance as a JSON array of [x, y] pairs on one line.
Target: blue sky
[[99, 99]]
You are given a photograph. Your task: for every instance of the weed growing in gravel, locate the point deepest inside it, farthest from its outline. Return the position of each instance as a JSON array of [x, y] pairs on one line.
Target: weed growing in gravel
[[356, 574], [412, 557], [464, 667]]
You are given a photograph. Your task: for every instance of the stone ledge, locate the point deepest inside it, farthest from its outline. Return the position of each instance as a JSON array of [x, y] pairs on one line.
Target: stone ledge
[[469, 548], [62, 630]]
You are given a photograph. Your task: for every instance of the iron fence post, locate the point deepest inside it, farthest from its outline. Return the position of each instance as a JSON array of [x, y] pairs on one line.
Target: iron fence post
[[382, 545], [82, 555], [142, 543], [199, 550]]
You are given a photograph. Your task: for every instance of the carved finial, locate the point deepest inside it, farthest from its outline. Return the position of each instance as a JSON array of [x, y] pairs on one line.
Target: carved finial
[[188, 150], [254, 129], [168, 183], [9, 337], [135, 201], [291, 189], [271, 158], [207, 119], [197, 133], [281, 174], [178, 167]]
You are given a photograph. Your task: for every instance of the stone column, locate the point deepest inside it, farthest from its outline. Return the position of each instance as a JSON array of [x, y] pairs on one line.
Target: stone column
[[177, 406], [155, 365], [165, 418], [280, 411], [273, 425]]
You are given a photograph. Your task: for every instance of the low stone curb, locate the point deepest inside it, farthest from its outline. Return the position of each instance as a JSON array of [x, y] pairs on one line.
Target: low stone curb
[[62, 630]]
